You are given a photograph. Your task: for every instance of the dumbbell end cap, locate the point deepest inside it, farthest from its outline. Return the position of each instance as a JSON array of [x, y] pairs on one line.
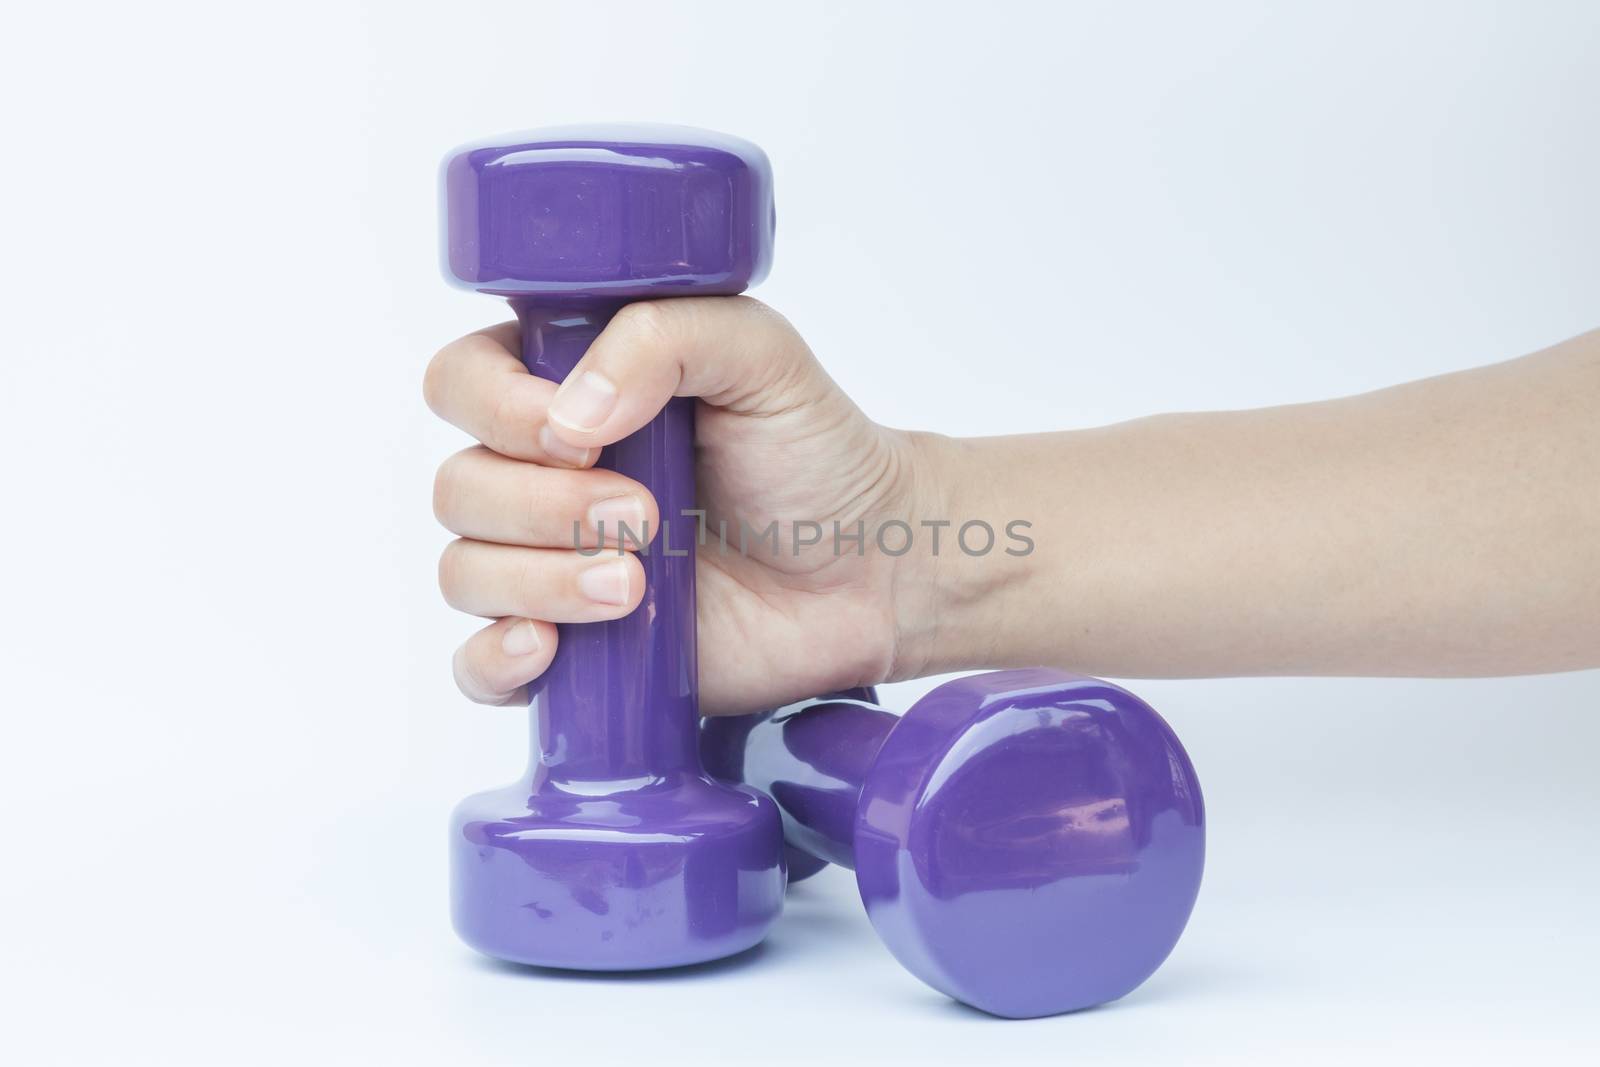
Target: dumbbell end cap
[[671, 873], [607, 212], [1030, 842]]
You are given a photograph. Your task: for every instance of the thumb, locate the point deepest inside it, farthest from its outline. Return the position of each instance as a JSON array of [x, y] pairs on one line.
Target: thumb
[[732, 352]]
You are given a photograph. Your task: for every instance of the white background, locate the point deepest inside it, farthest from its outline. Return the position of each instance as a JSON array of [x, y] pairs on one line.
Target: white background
[[231, 739]]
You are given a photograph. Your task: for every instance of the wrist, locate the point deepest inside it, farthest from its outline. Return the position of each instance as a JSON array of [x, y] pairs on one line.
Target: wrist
[[968, 551]]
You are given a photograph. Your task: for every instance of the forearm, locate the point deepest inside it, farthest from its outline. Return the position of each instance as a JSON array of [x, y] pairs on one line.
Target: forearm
[[1444, 527]]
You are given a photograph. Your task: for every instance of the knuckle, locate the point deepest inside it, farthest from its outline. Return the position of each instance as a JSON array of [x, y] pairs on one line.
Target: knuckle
[[446, 486], [448, 366], [529, 582], [433, 381], [441, 370], [452, 565], [535, 509], [474, 346], [504, 429], [646, 323], [762, 311]]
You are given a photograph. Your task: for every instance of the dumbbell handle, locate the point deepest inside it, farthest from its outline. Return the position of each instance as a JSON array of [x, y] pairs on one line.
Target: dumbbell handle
[[811, 758], [621, 699]]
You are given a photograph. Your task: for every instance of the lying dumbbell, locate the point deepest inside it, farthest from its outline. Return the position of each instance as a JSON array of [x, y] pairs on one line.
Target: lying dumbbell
[[615, 850], [1028, 842]]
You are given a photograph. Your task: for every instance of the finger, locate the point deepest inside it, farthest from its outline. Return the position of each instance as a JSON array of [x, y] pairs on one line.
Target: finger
[[485, 496], [497, 662], [734, 352], [478, 384], [539, 583]]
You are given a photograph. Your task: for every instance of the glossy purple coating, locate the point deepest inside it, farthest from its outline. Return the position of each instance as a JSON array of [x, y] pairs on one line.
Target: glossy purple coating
[[1028, 842], [724, 745], [615, 851], [611, 211]]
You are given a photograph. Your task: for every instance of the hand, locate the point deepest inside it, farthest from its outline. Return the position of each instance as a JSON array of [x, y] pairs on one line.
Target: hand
[[777, 441]]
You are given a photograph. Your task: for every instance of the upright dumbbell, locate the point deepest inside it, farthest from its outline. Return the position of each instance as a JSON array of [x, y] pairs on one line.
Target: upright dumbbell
[[1028, 842], [615, 850]]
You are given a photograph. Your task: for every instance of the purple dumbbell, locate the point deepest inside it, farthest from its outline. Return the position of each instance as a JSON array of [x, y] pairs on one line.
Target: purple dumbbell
[[615, 850], [1028, 842]]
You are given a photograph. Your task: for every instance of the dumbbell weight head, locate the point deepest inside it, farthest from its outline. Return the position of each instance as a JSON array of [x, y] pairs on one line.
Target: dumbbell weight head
[[1028, 842], [615, 850], [608, 213]]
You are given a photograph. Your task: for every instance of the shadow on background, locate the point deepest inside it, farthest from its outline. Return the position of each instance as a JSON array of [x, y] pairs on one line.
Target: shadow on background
[[1191, 985], [690, 972]]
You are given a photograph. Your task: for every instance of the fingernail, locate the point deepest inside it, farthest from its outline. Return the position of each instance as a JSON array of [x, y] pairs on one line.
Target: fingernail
[[559, 450], [582, 403], [617, 517], [520, 640], [606, 583]]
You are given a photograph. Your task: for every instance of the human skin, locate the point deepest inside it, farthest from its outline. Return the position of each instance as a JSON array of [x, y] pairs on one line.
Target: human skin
[[1445, 527]]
